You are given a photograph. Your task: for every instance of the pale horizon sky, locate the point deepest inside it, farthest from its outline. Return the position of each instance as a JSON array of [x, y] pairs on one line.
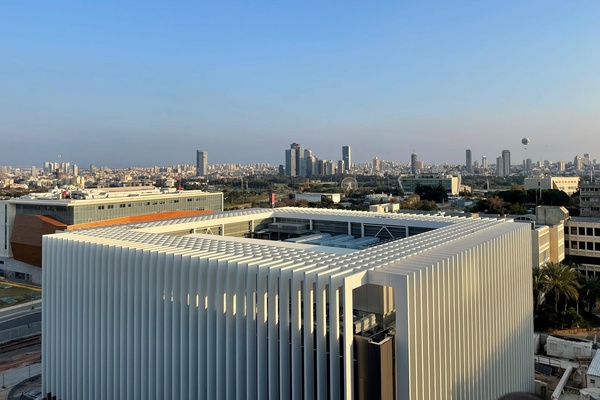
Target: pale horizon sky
[[147, 83]]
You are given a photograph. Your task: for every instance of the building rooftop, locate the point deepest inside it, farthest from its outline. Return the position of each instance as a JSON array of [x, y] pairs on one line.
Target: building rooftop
[[103, 195], [447, 235]]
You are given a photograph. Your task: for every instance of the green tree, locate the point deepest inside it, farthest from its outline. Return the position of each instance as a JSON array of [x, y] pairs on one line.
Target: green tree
[[590, 290], [539, 286], [561, 281], [432, 193]]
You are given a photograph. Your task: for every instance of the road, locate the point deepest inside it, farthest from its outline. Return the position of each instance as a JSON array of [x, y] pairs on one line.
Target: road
[[20, 320]]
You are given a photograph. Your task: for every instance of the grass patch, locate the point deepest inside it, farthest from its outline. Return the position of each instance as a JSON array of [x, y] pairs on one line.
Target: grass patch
[[18, 294]]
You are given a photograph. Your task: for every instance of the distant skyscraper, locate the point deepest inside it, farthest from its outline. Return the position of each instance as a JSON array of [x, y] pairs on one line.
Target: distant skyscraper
[[297, 160], [506, 162], [75, 170], [469, 162], [578, 162], [528, 165], [413, 163], [201, 163], [484, 164], [347, 157], [290, 162], [341, 167], [376, 164], [499, 166]]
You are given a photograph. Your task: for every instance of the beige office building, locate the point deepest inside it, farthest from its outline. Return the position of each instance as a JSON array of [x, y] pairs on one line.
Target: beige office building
[[568, 184]]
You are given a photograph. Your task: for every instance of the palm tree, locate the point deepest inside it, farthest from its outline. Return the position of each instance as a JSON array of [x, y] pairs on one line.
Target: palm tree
[[539, 286], [561, 280], [590, 290]]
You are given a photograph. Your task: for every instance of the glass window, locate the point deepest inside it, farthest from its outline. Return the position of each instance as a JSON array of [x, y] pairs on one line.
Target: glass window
[[590, 245], [581, 230], [573, 230], [590, 231], [581, 245]]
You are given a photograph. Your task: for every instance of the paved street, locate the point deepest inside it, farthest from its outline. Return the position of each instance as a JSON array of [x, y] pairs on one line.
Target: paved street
[[21, 320]]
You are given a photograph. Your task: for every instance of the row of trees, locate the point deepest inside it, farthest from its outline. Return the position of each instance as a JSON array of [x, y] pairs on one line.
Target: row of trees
[[516, 201], [556, 289]]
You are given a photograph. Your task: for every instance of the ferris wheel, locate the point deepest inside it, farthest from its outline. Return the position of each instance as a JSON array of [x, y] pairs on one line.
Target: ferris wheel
[[349, 184]]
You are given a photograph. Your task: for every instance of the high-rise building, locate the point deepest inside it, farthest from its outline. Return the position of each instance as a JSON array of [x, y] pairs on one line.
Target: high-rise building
[[341, 167], [413, 163], [469, 162], [290, 162], [528, 165], [201, 163], [170, 310], [376, 164], [484, 163], [578, 162], [499, 166], [295, 160], [347, 157], [506, 162]]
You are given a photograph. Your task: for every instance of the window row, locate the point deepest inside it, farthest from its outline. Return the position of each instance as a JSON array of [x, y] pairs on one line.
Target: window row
[[147, 203], [575, 245], [584, 231]]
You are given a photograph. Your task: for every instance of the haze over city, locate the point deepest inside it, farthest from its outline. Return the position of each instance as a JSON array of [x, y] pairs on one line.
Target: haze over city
[[148, 83]]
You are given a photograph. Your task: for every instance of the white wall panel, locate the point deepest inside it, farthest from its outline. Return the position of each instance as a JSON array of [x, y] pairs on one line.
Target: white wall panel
[[142, 315]]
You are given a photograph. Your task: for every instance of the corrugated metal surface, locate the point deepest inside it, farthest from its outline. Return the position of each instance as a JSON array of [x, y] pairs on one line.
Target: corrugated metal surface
[[133, 313]]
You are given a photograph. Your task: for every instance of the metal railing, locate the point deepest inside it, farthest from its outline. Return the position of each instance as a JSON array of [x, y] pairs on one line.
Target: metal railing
[[21, 331]]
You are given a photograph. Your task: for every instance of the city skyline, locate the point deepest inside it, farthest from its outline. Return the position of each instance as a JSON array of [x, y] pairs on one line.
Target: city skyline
[[121, 85]]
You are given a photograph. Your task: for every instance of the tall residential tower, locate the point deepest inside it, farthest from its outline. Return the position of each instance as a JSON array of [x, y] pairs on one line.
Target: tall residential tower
[[347, 157], [469, 162], [201, 163], [505, 163]]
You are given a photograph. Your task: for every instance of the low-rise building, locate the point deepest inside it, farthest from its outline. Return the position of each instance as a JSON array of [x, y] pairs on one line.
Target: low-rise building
[[23, 221], [318, 197], [589, 199], [449, 182], [568, 184]]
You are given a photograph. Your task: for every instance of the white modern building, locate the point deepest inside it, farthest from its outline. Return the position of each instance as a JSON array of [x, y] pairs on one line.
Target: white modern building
[[441, 309]]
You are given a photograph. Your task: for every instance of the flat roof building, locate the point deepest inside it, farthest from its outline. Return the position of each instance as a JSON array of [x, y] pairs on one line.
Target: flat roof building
[[24, 220], [449, 182], [166, 309], [568, 184]]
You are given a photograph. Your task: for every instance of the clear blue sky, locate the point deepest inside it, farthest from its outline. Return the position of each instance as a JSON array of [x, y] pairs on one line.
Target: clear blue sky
[[147, 83]]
